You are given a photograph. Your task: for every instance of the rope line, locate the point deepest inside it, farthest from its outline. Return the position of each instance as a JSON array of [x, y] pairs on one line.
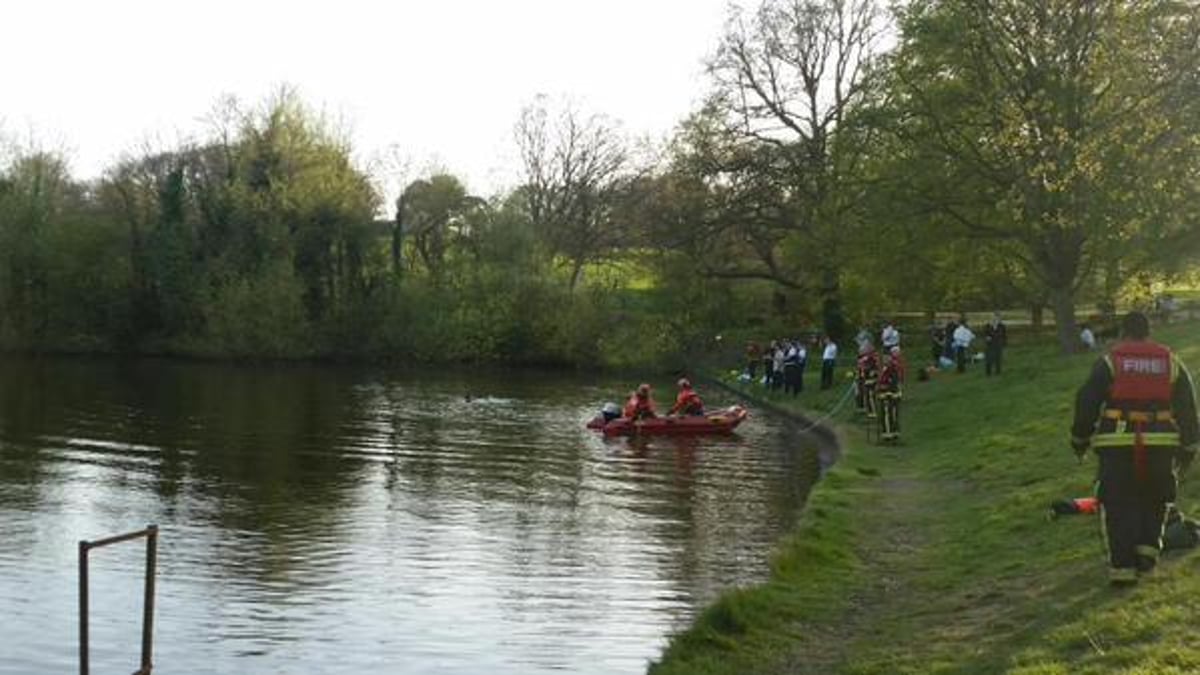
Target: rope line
[[833, 411]]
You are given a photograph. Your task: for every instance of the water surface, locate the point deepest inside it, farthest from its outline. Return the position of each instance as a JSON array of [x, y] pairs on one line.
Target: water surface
[[321, 519]]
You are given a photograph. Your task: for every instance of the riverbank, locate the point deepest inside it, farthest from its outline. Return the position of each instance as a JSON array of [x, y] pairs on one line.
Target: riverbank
[[938, 556]]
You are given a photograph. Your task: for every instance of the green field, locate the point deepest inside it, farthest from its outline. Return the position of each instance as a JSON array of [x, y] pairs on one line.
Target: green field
[[939, 556]]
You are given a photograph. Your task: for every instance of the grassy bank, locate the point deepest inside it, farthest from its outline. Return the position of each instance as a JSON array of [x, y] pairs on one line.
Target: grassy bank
[[938, 556]]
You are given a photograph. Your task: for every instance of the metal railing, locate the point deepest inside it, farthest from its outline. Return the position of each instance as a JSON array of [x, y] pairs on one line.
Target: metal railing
[[151, 535]]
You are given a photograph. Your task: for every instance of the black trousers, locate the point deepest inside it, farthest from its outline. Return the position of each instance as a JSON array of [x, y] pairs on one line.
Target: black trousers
[[991, 360], [793, 378], [826, 374], [960, 354], [1135, 508]]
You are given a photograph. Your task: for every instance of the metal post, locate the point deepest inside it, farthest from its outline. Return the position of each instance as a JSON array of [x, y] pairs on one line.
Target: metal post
[[83, 608], [151, 535], [148, 608]]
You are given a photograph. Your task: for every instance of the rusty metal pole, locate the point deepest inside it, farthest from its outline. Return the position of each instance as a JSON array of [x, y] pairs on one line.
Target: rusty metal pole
[[148, 609], [83, 608]]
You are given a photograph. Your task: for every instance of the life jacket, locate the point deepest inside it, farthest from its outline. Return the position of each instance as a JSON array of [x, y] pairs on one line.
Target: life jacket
[[868, 367], [1137, 411], [637, 408], [688, 403], [1143, 376], [889, 380]]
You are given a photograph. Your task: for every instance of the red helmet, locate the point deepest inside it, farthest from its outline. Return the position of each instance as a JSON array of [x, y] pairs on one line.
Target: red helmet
[[684, 383]]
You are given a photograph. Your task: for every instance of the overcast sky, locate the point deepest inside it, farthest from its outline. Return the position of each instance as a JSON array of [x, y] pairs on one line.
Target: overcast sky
[[443, 80]]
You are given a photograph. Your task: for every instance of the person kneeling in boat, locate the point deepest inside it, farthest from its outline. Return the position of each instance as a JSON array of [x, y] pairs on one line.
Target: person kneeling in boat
[[640, 405], [688, 401]]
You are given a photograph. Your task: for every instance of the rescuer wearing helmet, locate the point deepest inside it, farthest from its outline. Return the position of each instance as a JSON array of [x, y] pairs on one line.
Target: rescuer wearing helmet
[[1137, 411], [688, 401], [640, 405], [866, 377], [891, 379]]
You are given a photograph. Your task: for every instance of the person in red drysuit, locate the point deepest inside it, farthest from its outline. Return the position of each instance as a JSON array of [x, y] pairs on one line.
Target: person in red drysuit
[[640, 405], [688, 401]]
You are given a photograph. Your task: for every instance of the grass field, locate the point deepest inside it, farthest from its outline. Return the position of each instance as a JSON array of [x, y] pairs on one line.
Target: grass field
[[938, 556]]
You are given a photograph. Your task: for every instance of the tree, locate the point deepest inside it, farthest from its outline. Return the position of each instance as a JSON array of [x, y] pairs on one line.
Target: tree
[[788, 78], [1057, 127], [433, 211], [36, 193], [575, 170]]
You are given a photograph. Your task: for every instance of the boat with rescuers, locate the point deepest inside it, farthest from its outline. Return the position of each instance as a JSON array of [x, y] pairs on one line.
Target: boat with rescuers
[[721, 421]]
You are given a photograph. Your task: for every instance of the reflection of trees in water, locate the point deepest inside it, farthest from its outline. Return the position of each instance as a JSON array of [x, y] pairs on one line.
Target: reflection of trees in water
[[289, 472], [256, 447], [730, 503]]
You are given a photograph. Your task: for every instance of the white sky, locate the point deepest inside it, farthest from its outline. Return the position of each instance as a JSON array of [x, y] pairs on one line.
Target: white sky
[[444, 80]]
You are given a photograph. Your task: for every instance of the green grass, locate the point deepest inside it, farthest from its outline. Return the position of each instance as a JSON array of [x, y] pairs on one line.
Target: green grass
[[938, 556]]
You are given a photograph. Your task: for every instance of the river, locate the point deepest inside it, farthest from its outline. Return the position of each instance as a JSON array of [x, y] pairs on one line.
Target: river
[[334, 519]]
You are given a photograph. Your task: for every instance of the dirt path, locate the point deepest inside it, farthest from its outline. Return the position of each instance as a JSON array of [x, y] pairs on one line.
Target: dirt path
[[894, 537]]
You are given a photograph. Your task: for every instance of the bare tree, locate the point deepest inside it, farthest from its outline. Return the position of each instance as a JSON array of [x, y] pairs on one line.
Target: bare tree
[[576, 168], [788, 78]]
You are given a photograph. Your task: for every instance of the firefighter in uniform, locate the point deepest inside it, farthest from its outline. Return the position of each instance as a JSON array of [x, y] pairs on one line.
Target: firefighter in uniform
[[1137, 411], [866, 377], [891, 380]]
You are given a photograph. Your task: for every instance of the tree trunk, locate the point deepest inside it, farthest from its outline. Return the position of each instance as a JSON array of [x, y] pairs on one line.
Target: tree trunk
[[831, 305], [398, 239], [576, 274], [1062, 301]]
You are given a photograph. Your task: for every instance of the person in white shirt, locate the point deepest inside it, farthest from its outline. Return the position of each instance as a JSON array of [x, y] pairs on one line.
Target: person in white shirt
[[890, 337], [1087, 337], [828, 360], [962, 342], [777, 364]]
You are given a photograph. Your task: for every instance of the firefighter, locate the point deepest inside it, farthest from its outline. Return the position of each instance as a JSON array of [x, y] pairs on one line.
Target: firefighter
[[891, 381], [640, 405], [1137, 411], [688, 401], [866, 377]]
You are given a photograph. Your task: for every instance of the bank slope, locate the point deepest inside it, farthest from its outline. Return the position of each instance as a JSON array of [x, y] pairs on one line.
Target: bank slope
[[938, 556]]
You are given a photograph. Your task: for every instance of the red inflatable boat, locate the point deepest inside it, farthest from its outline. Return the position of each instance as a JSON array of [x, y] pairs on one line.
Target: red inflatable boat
[[713, 422]]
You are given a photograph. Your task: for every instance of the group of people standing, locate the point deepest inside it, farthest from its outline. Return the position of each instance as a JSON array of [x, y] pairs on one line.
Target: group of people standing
[[879, 379], [950, 345], [784, 362]]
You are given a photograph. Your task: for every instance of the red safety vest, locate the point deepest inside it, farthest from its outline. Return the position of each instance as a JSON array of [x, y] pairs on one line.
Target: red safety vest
[[688, 402], [868, 367], [1142, 376], [636, 407], [1139, 401]]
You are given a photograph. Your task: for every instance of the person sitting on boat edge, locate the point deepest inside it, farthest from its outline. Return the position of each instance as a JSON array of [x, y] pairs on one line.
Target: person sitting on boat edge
[[688, 401], [640, 405]]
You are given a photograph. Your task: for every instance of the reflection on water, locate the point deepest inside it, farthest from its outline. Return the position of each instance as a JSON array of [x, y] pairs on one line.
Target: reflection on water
[[344, 520]]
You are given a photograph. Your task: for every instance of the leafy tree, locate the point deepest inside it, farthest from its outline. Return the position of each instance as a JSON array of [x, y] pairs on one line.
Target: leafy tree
[[36, 193], [1057, 128], [435, 210], [781, 132]]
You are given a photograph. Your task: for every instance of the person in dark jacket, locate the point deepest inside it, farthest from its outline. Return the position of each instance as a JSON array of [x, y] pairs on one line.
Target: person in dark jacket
[[995, 339], [937, 343], [1137, 411]]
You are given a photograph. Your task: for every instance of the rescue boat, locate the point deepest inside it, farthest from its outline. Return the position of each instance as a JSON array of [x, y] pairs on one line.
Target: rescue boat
[[714, 422]]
